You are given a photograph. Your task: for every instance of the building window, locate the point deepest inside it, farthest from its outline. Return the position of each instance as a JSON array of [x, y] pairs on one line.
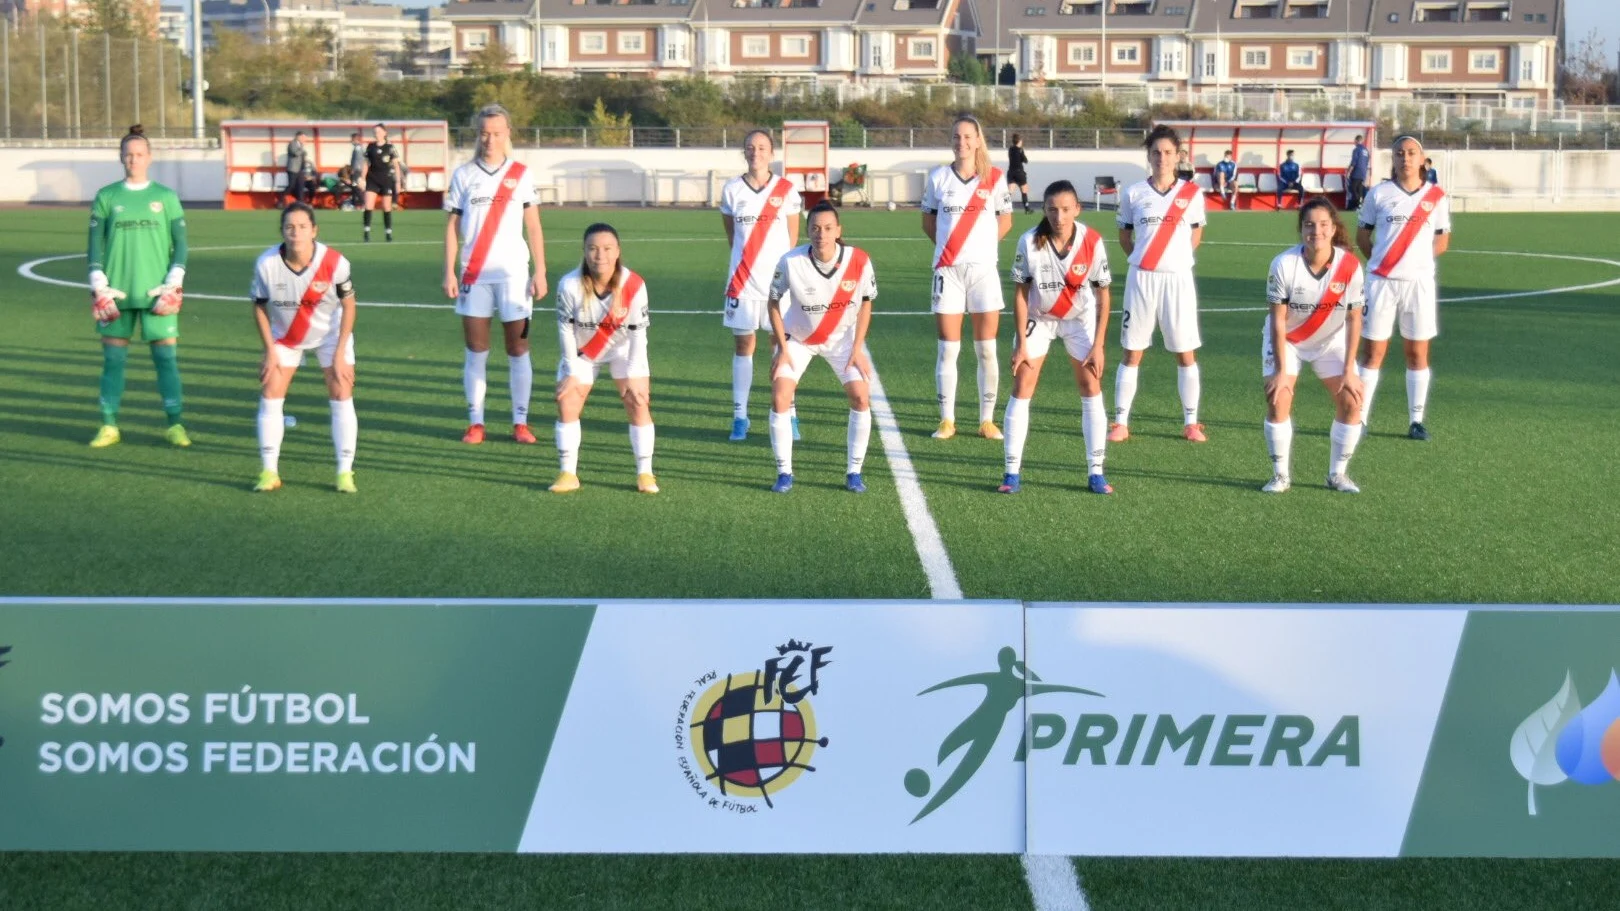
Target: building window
[[1034, 10], [1436, 62], [756, 46], [593, 42], [1130, 7], [795, 45], [1080, 8], [1447, 12], [920, 48], [1302, 58], [1211, 65], [1256, 58], [1527, 70], [475, 39], [1306, 9], [1266, 9], [632, 42], [1484, 61], [1082, 54], [1172, 61], [1487, 12], [674, 51], [1127, 52]]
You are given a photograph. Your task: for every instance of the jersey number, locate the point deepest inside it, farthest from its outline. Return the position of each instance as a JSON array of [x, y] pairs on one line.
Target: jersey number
[[1029, 328]]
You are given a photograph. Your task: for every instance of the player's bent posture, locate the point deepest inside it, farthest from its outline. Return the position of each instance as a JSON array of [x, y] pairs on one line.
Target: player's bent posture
[[1314, 291], [381, 176], [1161, 223], [492, 205], [137, 264], [966, 211], [821, 306], [303, 300], [1405, 226], [1061, 277], [602, 317], [761, 215]]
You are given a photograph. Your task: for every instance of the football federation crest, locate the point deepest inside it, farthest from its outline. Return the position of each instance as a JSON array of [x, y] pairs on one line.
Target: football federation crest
[[847, 286], [155, 206]]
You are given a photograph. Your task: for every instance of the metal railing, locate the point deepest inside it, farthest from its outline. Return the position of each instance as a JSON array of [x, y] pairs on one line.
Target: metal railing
[[63, 84]]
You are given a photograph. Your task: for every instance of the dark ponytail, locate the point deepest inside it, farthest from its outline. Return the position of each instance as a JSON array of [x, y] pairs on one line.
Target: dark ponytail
[[1044, 231]]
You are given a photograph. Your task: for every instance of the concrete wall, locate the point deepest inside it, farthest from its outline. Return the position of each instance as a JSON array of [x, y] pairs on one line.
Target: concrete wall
[[1478, 180]]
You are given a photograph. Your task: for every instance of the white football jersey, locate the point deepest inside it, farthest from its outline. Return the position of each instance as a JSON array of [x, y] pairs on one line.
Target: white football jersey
[[1292, 282], [1143, 209], [582, 312], [947, 196], [472, 191], [806, 289], [744, 205], [283, 291], [1386, 210], [1046, 271]]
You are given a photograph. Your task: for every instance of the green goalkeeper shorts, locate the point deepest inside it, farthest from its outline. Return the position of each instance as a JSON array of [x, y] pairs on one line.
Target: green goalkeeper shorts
[[153, 327]]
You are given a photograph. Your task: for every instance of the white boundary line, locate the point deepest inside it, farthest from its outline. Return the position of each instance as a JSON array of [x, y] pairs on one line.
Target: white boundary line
[[29, 271], [1053, 883]]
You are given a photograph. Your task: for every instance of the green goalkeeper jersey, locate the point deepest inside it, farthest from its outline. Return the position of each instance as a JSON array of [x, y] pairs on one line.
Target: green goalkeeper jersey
[[135, 237]]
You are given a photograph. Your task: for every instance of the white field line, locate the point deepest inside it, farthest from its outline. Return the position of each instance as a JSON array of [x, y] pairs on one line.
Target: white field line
[[1053, 883], [936, 563]]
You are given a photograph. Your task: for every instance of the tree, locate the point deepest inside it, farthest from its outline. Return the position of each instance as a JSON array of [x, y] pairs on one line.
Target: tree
[[609, 129], [110, 16], [969, 69], [490, 60], [1586, 76]]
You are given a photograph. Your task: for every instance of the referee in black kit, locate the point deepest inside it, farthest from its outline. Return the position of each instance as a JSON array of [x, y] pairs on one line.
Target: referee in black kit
[[381, 177]]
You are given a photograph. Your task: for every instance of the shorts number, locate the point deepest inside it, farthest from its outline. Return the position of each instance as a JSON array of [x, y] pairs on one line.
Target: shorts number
[[939, 285], [1125, 320], [1029, 328], [1366, 310]]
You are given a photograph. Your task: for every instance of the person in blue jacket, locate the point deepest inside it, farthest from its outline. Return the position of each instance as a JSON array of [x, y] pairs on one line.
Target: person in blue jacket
[[1355, 176], [1225, 172], [1288, 179]]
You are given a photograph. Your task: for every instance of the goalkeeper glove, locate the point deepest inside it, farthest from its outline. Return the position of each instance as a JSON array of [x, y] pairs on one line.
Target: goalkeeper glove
[[168, 294], [103, 298]]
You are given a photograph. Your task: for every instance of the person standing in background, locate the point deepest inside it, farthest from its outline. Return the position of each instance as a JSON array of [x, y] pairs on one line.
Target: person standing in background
[[1355, 176], [1017, 169]]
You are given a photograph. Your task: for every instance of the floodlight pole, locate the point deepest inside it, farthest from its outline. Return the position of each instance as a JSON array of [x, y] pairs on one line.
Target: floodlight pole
[[196, 70]]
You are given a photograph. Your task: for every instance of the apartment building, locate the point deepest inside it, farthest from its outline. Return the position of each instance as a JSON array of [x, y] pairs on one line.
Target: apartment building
[[382, 28]]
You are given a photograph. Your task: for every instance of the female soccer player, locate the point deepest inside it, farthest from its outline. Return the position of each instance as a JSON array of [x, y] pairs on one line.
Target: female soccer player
[[303, 300], [1017, 169], [1061, 277], [1405, 226], [492, 205], [1161, 222], [137, 265], [602, 317], [1314, 291], [821, 306], [761, 215], [956, 199], [381, 176]]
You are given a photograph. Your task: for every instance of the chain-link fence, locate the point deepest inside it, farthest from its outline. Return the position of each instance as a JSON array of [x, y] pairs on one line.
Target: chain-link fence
[[62, 84]]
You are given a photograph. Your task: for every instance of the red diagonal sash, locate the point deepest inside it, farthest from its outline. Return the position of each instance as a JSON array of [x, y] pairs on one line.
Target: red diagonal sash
[[1409, 232], [1167, 228], [611, 321], [319, 284], [1337, 285], [849, 282], [491, 225], [1075, 278], [757, 236], [979, 202]]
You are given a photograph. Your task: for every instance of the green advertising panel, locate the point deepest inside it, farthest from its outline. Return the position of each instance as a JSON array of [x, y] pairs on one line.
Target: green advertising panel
[[307, 727], [1525, 759]]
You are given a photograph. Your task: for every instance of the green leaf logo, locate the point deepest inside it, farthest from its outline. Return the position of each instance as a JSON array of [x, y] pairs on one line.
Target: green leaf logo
[[1534, 748]]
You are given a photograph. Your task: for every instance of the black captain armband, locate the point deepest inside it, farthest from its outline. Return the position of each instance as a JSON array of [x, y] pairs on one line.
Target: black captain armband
[[261, 302], [345, 288]]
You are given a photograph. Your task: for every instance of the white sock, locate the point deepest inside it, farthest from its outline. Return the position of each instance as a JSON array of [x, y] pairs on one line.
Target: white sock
[[1417, 393], [568, 446], [641, 446], [945, 379], [1124, 393], [1015, 427], [742, 379], [1369, 385], [520, 378], [860, 433], [1094, 428], [1190, 385], [472, 383], [989, 378], [1280, 443], [782, 441], [1344, 438], [345, 433], [271, 428]]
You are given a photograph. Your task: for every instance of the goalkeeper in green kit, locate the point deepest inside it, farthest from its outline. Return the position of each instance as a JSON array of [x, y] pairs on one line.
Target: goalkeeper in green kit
[[137, 264]]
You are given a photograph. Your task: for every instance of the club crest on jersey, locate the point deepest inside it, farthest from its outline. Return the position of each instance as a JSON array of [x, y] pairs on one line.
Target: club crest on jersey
[[155, 206], [510, 183], [1426, 206], [847, 286], [1077, 270], [982, 193], [319, 287], [1181, 203], [776, 200], [1336, 287]]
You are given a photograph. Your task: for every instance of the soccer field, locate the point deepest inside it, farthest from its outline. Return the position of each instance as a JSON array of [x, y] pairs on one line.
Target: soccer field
[[1512, 501]]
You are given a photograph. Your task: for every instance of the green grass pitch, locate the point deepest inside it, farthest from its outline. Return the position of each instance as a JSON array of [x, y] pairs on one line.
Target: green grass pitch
[[1513, 501]]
